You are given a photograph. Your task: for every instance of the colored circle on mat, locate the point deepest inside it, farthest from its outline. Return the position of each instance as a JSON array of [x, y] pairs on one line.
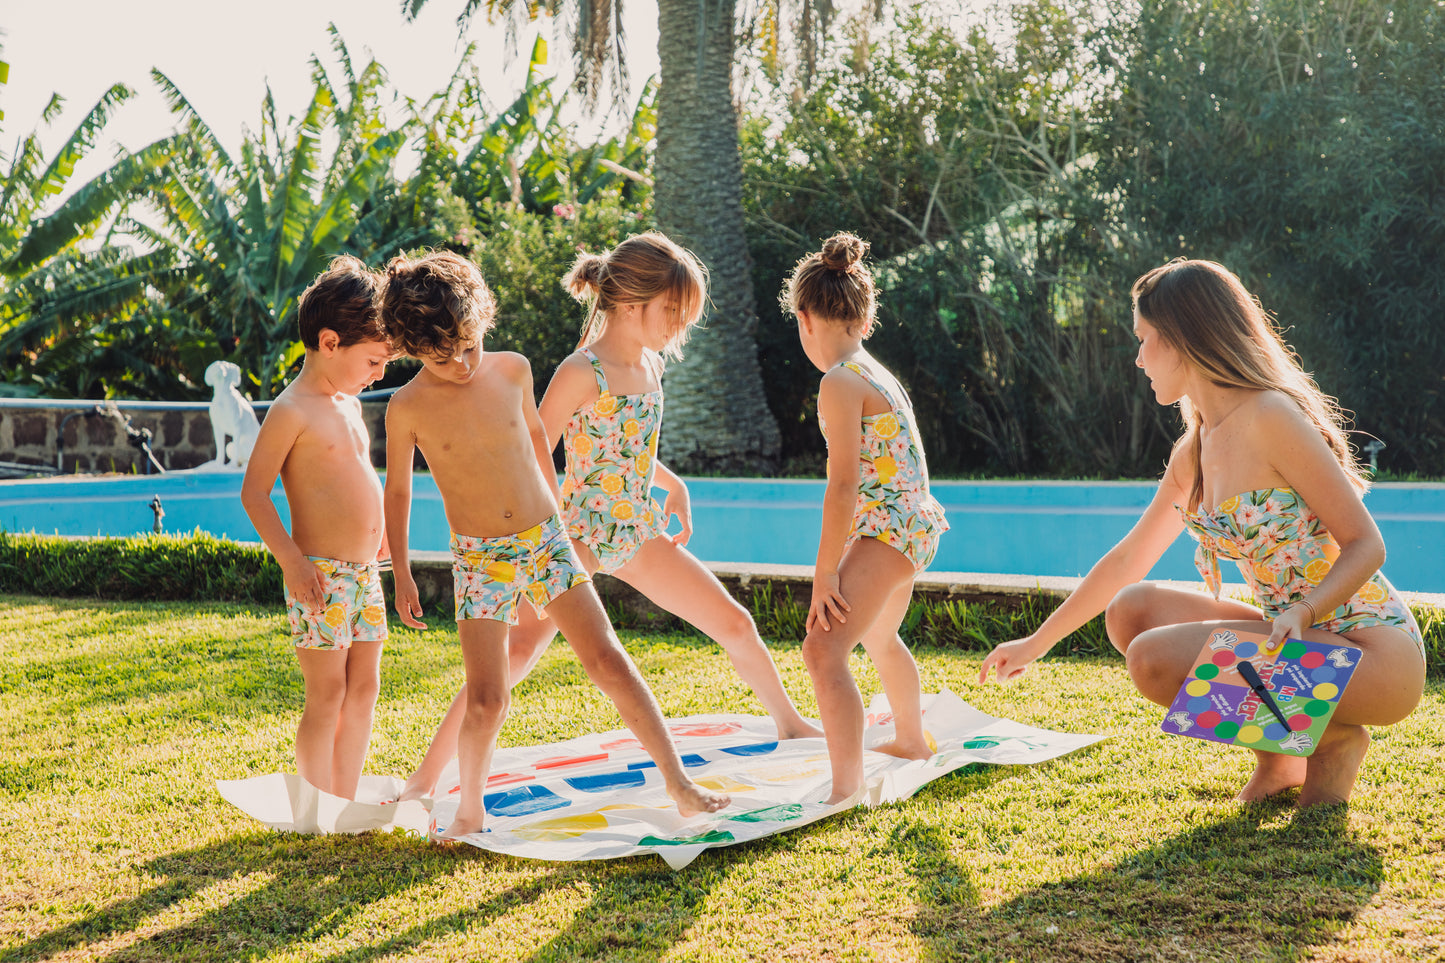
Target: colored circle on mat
[[1223, 658], [1300, 721], [1198, 704], [1206, 671], [1292, 650], [1245, 649], [1316, 708], [1327, 690], [1312, 660], [1208, 720], [1251, 734], [1197, 687], [1274, 732], [1324, 673], [1227, 730]]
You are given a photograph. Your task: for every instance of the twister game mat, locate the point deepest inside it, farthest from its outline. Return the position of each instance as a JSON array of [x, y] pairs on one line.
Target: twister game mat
[[1303, 680], [600, 796]]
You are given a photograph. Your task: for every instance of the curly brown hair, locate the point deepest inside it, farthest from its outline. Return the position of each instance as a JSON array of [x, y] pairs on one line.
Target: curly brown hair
[[834, 284], [434, 304], [342, 298]]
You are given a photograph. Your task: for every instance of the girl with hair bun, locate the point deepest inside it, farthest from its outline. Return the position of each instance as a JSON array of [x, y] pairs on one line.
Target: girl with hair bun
[[1264, 476], [880, 524], [605, 404]]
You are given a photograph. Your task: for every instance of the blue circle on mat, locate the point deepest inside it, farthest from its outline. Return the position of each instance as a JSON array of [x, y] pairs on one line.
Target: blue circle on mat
[[1245, 649], [1323, 674], [1274, 732], [1198, 704]]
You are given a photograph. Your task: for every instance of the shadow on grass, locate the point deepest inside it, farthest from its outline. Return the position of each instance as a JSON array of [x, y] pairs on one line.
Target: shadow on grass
[[1268, 883]]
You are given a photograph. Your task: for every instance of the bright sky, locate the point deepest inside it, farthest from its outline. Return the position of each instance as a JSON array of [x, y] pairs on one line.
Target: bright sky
[[221, 56]]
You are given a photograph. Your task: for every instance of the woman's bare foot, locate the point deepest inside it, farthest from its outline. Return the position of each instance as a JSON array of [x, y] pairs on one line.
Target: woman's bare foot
[[692, 799], [802, 729], [1332, 769], [1273, 774]]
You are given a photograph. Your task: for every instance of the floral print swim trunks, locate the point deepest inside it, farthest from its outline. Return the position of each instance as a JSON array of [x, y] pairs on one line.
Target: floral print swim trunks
[[352, 610], [489, 575]]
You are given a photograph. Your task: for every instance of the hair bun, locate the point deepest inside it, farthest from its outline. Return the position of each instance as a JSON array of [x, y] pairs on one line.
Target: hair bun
[[843, 251], [585, 278]]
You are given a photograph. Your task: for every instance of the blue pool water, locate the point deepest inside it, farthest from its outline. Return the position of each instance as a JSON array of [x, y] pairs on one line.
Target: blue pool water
[[1020, 528]]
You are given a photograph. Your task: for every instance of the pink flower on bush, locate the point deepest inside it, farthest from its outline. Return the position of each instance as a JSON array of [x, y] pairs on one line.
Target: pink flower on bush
[[565, 211]]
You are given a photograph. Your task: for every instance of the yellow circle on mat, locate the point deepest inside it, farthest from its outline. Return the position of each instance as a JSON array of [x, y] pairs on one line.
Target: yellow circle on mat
[[1197, 688], [1251, 734], [1326, 690]]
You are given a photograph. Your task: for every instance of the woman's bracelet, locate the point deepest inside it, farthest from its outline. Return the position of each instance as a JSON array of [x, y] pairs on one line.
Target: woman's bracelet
[[1314, 616]]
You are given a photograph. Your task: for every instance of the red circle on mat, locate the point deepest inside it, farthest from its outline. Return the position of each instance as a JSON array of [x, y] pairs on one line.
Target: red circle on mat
[[1224, 658], [1298, 722], [1208, 720], [1312, 660]]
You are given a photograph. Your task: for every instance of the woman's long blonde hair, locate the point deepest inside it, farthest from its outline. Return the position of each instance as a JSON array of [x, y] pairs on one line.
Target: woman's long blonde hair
[[1202, 310], [643, 267]]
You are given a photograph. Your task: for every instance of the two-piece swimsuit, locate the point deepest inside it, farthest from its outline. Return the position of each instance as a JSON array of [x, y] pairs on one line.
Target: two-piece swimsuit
[[611, 447], [894, 504], [1283, 551]]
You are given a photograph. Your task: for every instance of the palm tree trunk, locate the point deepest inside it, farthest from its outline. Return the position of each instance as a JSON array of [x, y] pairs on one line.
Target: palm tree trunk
[[717, 416]]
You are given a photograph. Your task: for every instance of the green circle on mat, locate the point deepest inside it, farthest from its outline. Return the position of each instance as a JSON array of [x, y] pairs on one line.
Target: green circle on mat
[[1206, 671], [1227, 730], [1317, 707], [1292, 650]]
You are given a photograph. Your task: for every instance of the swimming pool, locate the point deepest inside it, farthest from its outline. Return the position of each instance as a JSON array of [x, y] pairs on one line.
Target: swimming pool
[[1018, 528]]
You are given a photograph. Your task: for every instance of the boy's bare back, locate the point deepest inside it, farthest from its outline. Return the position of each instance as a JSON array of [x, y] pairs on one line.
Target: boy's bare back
[[334, 494], [475, 427]]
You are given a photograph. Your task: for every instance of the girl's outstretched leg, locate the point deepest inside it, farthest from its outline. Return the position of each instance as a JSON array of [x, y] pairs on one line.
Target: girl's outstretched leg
[[869, 574], [899, 673], [673, 578]]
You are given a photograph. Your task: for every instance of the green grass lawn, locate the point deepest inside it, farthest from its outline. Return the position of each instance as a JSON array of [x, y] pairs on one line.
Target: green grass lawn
[[117, 718]]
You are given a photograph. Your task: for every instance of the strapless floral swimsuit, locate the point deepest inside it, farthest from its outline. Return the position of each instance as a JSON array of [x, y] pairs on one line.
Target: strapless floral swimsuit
[[894, 504], [611, 447], [1283, 551]]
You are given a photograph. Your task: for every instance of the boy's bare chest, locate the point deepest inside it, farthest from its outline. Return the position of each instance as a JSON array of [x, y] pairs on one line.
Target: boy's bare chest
[[482, 418], [341, 436]]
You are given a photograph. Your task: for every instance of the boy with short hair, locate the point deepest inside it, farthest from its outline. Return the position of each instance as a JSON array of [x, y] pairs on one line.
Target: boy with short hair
[[313, 436], [473, 415]]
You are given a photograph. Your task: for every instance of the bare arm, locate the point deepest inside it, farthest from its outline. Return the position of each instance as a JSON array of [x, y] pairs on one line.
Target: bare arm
[[400, 445], [571, 387], [1126, 563], [283, 425], [840, 408], [537, 429]]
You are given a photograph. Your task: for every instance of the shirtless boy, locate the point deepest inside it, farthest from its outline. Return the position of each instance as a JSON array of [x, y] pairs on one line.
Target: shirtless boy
[[473, 416], [314, 438]]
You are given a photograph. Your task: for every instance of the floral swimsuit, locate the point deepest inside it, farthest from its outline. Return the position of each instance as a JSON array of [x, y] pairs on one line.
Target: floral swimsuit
[[1283, 552], [611, 447], [894, 505], [490, 575], [352, 610]]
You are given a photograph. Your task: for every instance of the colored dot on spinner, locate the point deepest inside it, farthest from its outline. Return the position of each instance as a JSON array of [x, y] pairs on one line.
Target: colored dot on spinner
[[1250, 734], [1197, 687], [1327, 690], [1198, 704], [1312, 660], [1324, 673], [1245, 649], [1316, 708], [1274, 732], [1208, 720], [1223, 658], [1302, 720], [1292, 650], [1227, 730], [1206, 671]]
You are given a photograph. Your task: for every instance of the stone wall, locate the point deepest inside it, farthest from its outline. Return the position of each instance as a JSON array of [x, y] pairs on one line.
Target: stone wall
[[81, 439]]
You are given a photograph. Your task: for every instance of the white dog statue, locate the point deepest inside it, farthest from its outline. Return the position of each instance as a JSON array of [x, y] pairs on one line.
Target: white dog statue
[[231, 417]]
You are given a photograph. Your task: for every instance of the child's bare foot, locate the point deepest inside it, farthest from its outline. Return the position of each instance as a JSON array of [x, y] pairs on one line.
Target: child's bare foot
[[1273, 774], [1331, 771], [414, 790], [923, 748], [692, 799], [802, 729], [460, 827], [843, 795]]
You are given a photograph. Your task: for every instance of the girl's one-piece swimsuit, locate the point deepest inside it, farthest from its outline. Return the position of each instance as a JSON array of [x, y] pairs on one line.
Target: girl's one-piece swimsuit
[[611, 448], [894, 504], [1283, 551]]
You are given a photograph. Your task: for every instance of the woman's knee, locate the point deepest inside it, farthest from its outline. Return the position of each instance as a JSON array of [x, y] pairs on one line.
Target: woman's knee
[[1124, 617]]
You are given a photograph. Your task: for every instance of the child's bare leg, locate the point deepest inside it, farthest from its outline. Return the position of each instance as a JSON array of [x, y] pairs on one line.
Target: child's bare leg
[[324, 671], [488, 695], [673, 578], [442, 750], [899, 674], [869, 574], [353, 726], [581, 619]]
